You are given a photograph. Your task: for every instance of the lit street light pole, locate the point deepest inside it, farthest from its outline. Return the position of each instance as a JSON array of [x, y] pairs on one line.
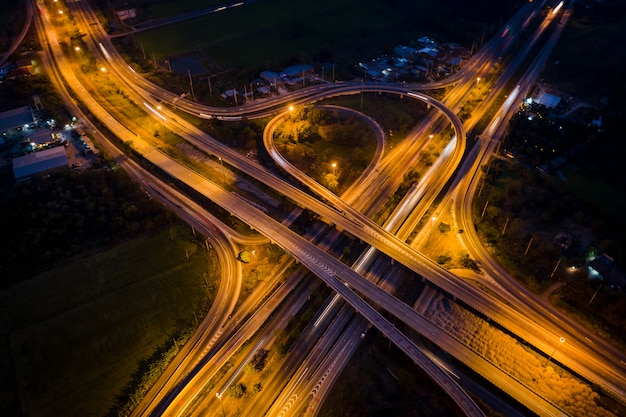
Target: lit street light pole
[[562, 340], [334, 165], [432, 225], [219, 396], [222, 163]]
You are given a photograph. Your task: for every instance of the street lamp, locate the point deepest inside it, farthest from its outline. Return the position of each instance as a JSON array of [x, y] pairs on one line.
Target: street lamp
[[432, 225], [477, 81], [219, 397], [334, 165], [222, 163], [562, 340]]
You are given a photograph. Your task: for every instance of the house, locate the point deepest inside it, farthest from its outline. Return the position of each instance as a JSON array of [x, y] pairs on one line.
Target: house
[[298, 70], [41, 137], [17, 117], [404, 51], [548, 100], [38, 163], [270, 77], [605, 266], [24, 63]]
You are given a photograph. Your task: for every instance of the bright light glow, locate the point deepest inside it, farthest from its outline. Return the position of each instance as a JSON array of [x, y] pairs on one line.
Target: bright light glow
[[153, 110], [557, 8], [326, 310], [103, 69], [77, 48], [104, 51]]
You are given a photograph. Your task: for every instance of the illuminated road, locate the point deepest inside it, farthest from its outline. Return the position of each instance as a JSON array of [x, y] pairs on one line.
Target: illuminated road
[[349, 219]]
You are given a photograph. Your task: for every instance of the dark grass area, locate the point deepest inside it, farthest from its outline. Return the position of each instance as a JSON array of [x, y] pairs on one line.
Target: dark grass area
[[74, 336], [266, 32], [589, 59], [611, 198], [380, 381], [11, 19], [62, 215]]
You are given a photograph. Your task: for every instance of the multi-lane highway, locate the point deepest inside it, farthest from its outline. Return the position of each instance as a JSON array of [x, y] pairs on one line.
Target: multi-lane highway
[[605, 370]]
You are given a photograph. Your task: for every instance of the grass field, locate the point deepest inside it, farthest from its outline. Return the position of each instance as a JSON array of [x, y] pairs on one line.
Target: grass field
[[7, 17], [587, 59], [75, 335], [586, 187], [274, 31]]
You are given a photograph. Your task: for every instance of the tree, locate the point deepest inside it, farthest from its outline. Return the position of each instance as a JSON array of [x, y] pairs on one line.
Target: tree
[[331, 181], [244, 256], [237, 391]]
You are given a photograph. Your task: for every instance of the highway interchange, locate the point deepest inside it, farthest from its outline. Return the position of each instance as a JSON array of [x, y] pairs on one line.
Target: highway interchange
[[305, 379]]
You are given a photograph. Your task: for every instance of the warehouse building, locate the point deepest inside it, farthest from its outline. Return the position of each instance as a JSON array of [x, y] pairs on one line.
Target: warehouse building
[[39, 163]]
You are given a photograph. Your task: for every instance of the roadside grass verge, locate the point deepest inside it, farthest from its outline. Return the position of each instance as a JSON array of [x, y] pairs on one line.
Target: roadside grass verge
[[76, 334]]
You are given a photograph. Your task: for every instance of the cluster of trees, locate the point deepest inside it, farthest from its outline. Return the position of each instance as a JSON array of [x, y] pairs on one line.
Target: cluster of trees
[[538, 207], [49, 219], [551, 382], [537, 139], [314, 139], [519, 214], [257, 363]]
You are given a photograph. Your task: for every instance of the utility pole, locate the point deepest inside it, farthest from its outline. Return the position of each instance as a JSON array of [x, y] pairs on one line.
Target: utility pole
[[190, 82], [561, 340], [528, 247], [555, 267], [595, 293]]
